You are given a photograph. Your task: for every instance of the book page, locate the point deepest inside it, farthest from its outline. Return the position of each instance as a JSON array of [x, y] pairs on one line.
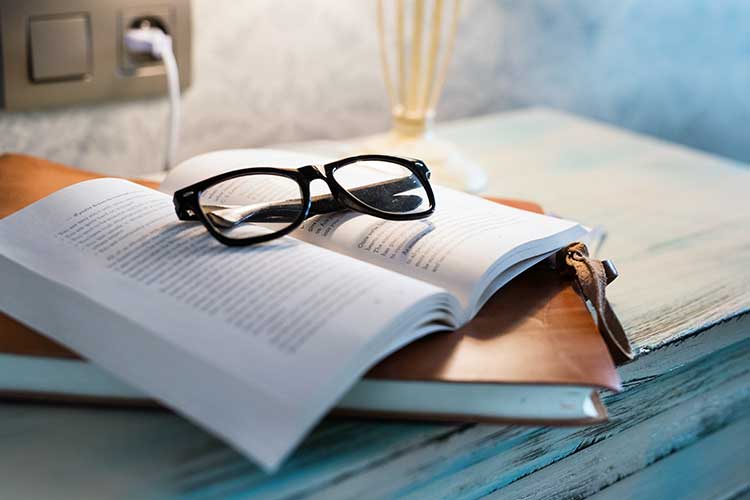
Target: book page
[[462, 247], [254, 343], [469, 246]]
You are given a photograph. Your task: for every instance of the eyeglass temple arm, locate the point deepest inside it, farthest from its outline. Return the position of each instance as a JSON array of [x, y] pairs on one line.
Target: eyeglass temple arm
[[326, 203], [321, 204]]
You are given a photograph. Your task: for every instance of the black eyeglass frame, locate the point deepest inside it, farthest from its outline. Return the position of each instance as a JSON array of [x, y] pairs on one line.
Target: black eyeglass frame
[[187, 204]]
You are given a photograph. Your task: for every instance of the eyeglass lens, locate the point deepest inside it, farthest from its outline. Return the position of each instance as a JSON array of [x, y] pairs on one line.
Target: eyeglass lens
[[384, 186], [252, 205]]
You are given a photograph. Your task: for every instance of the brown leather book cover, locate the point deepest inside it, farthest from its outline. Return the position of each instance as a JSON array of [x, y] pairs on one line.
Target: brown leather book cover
[[535, 330]]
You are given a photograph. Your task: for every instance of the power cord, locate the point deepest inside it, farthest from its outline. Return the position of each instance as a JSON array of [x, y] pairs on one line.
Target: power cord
[[147, 39]]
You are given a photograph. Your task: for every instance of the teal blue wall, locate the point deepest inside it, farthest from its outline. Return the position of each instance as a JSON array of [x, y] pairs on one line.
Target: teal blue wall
[[677, 69]]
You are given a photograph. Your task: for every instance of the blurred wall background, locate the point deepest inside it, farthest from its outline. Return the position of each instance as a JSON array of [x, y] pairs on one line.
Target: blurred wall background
[[271, 71]]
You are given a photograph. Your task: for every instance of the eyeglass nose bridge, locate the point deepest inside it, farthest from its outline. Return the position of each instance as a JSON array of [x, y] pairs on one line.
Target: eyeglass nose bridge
[[312, 172]]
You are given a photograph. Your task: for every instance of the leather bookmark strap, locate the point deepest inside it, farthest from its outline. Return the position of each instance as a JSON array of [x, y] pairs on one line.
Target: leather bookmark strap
[[590, 279]]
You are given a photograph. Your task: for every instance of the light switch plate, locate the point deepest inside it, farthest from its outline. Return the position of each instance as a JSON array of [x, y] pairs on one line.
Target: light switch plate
[[112, 72], [60, 47]]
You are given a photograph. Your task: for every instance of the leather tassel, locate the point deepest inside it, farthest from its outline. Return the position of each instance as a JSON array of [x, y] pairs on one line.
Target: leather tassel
[[590, 278]]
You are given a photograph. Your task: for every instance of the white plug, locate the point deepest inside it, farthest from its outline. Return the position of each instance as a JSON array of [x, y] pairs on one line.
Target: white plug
[[150, 40]]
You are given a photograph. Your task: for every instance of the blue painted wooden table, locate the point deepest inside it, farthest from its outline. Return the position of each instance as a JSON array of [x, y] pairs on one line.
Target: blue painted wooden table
[[679, 231]]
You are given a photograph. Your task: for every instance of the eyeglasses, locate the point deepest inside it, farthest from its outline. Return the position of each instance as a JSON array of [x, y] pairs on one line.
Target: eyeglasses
[[253, 205]]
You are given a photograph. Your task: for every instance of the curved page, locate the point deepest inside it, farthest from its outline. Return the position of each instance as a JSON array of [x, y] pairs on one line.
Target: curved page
[[254, 343], [463, 247], [470, 246]]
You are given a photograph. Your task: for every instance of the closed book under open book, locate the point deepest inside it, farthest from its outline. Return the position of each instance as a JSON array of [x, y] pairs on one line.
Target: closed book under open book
[[531, 354]]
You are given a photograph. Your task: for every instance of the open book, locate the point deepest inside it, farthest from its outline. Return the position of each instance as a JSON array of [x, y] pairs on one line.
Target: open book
[[253, 343]]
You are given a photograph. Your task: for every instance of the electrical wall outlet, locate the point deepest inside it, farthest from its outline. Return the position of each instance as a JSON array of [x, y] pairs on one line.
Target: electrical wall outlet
[[56, 52], [162, 17]]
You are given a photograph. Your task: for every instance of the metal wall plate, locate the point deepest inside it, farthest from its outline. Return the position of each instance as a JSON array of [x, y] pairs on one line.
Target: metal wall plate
[[55, 52]]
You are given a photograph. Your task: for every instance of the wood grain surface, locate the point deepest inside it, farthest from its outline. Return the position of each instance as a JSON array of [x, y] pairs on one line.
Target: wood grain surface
[[16, 172], [679, 232], [724, 475], [678, 220]]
